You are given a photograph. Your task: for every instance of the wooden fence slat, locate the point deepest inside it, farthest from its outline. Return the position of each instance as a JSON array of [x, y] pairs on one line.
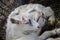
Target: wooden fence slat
[[4, 12]]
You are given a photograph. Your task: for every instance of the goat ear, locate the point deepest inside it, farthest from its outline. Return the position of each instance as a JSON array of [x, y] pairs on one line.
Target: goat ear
[[51, 20]]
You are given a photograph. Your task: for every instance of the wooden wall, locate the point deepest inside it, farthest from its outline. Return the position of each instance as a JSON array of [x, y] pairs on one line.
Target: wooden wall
[[6, 6]]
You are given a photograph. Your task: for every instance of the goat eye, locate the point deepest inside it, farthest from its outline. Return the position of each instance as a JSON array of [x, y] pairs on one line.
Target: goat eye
[[29, 22], [14, 21]]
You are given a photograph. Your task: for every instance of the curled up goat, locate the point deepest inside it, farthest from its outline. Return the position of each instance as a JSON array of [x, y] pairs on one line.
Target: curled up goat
[[26, 21]]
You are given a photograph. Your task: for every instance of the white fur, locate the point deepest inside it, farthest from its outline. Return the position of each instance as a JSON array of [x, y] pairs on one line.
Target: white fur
[[15, 31]]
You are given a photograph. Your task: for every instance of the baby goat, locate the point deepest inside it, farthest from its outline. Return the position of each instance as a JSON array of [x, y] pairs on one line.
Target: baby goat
[[27, 19]]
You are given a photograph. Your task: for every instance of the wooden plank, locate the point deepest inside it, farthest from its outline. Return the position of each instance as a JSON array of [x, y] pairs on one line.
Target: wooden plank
[[2, 3], [4, 6]]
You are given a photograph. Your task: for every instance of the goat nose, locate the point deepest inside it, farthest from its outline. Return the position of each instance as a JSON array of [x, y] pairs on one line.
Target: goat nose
[[38, 26]]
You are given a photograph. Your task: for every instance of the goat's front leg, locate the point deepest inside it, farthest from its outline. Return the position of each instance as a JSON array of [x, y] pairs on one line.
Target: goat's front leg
[[53, 38], [47, 34]]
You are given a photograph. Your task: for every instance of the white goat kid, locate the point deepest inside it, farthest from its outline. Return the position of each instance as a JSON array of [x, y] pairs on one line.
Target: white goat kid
[[27, 19]]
